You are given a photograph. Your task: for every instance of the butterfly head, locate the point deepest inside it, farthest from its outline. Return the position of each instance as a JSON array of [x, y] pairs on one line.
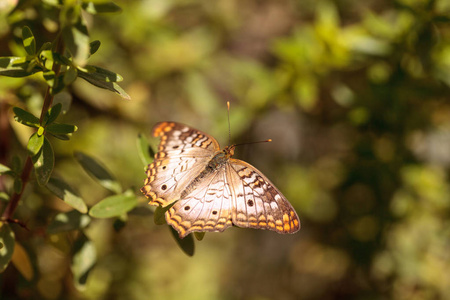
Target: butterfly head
[[229, 151]]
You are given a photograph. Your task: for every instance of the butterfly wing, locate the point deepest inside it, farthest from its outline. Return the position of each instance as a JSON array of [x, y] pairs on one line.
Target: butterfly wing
[[206, 208], [257, 203], [182, 154]]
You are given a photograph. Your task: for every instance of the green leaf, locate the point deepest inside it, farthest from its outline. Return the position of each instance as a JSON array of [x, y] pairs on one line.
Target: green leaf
[[186, 244], [70, 75], [25, 117], [28, 40], [49, 77], [113, 206], [145, 152], [57, 128], [17, 67], [53, 113], [94, 45], [101, 74], [6, 245], [63, 191], [93, 7], [4, 196], [98, 172], [84, 258], [35, 143], [159, 216], [45, 46], [68, 221], [199, 235], [76, 38], [44, 163], [103, 79], [62, 137], [4, 169]]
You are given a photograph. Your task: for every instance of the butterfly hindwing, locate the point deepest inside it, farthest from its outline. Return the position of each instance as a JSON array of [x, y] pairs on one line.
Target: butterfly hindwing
[[257, 202], [207, 208], [182, 154]]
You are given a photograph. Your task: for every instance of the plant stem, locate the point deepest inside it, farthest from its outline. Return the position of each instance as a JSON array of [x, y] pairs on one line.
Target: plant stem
[[12, 204], [48, 100]]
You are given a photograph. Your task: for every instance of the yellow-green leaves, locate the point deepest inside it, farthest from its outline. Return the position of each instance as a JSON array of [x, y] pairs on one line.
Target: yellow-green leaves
[[29, 42], [114, 206]]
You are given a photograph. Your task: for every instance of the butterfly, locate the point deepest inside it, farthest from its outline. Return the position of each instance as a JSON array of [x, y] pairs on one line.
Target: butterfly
[[210, 190]]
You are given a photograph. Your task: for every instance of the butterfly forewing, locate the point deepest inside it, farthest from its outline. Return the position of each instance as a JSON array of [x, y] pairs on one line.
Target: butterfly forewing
[[213, 190], [182, 154]]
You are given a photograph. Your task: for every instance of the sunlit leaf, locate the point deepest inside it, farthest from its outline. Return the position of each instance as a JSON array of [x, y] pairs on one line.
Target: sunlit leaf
[[65, 192], [97, 171], [113, 206], [44, 163], [7, 242], [186, 244], [29, 41], [4, 169], [84, 258], [56, 128], [25, 118], [53, 113], [103, 79], [68, 221], [22, 262], [144, 150], [94, 7], [35, 143], [17, 67]]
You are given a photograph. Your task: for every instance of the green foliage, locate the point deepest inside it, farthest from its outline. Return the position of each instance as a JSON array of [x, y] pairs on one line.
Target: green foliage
[[354, 95]]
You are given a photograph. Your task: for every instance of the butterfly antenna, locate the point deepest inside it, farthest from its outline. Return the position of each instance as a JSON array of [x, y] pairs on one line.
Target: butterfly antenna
[[229, 126], [265, 141]]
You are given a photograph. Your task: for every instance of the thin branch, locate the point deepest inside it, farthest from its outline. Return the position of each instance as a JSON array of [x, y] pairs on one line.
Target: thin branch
[[12, 204]]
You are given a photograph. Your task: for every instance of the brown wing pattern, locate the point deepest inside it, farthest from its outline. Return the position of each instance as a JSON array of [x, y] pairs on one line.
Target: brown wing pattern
[[257, 203], [182, 154], [207, 208]]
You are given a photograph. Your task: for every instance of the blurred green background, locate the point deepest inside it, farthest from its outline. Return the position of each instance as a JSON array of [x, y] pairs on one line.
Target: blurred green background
[[355, 96]]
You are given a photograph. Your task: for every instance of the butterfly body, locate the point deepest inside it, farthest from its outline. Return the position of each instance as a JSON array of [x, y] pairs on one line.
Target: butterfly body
[[213, 190]]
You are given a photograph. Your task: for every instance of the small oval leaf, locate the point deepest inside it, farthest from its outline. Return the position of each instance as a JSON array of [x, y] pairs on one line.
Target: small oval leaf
[[65, 192], [35, 143], [186, 244], [113, 206], [29, 41], [44, 163], [57, 128], [97, 171], [53, 113], [7, 242], [199, 235], [145, 152], [22, 262], [25, 118]]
